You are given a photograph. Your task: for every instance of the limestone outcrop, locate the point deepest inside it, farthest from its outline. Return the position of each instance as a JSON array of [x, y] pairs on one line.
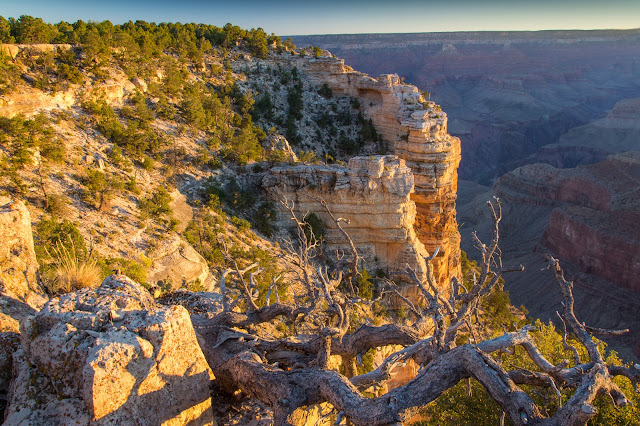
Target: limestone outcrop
[[109, 355], [13, 50], [277, 146], [416, 131], [175, 263], [373, 193], [18, 264]]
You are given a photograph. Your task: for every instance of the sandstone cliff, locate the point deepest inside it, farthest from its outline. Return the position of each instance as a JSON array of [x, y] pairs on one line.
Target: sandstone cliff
[[416, 131], [373, 193]]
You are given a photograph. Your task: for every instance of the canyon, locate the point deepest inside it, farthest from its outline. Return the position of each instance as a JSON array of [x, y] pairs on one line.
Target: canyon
[[531, 108], [219, 316], [588, 216], [511, 96]]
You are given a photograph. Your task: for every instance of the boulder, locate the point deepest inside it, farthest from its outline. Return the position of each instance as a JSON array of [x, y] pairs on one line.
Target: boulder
[[109, 355], [12, 312], [278, 145], [175, 263]]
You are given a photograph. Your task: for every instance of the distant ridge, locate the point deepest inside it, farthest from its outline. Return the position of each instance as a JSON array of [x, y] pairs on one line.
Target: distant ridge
[[419, 38]]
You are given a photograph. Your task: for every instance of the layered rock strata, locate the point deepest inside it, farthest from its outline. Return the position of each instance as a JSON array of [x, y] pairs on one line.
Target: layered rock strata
[[373, 193], [595, 221], [416, 131], [109, 355]]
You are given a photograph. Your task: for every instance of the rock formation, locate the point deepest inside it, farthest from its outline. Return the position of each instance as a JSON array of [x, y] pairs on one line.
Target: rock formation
[[175, 262], [20, 294], [595, 220], [109, 355], [373, 193], [13, 50], [18, 262], [416, 131], [508, 93]]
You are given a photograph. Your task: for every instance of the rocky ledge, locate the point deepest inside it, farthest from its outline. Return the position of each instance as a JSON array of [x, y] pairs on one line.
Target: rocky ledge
[[373, 193]]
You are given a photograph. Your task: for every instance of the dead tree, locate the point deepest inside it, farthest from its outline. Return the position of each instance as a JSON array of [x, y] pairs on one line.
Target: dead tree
[[292, 372]]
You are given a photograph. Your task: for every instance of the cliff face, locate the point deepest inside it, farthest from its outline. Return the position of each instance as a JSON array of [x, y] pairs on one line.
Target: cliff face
[[416, 131], [595, 220], [372, 192]]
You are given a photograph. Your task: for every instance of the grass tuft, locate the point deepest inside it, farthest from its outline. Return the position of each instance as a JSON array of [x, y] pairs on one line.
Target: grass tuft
[[72, 273]]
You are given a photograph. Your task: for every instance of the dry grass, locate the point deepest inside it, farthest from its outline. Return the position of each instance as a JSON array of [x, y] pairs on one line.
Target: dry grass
[[71, 273]]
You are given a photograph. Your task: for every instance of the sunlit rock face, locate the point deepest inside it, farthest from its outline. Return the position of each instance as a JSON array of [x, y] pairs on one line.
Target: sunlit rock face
[[109, 355], [416, 131], [18, 262], [373, 193]]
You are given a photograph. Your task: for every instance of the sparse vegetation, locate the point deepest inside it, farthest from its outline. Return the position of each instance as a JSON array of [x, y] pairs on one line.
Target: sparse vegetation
[[157, 206], [71, 273]]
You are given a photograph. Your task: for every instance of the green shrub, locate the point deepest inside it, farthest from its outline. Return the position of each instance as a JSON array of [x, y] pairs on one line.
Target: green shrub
[[147, 163], [157, 205], [136, 269], [58, 205], [265, 219], [314, 226], [241, 224], [364, 285], [325, 91], [101, 188], [132, 186], [243, 147]]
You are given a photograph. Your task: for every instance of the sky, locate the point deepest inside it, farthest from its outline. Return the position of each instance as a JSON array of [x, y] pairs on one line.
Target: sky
[[287, 17]]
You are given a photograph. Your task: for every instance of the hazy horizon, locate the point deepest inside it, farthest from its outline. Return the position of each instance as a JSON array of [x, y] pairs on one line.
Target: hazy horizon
[[286, 17]]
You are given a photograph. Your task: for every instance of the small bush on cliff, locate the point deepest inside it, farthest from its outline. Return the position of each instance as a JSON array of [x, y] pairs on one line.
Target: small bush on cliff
[[9, 75], [325, 91], [265, 219], [157, 205], [58, 205], [314, 227], [101, 188], [62, 254], [364, 285], [136, 269], [50, 232]]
